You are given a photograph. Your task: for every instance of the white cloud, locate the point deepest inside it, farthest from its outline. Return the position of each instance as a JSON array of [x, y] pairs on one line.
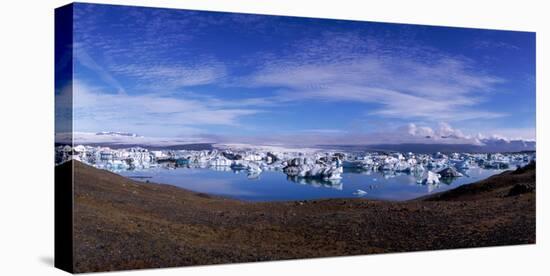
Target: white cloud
[[151, 75], [412, 83], [439, 133], [407, 82], [526, 133], [422, 131], [172, 76], [147, 114], [82, 57]]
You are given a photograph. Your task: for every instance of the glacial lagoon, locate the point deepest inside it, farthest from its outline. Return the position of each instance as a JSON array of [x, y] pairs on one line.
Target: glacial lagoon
[[274, 185], [283, 175]]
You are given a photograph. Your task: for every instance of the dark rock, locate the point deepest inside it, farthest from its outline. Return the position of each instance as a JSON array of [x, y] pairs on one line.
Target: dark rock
[[521, 188], [528, 167]]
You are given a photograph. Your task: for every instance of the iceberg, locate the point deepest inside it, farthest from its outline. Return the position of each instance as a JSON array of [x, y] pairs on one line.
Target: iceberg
[[315, 167], [220, 161], [449, 172], [307, 168], [431, 179]]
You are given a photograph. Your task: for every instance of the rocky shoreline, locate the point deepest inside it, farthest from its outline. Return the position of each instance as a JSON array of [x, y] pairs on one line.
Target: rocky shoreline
[[122, 224]]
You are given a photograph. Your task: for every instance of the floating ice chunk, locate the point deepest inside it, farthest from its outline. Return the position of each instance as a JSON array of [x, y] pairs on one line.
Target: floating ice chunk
[[271, 158], [232, 156], [79, 148], [449, 172], [307, 168], [431, 179], [159, 154], [463, 165], [182, 161], [360, 192], [253, 167], [252, 157], [355, 164], [310, 165], [220, 161]]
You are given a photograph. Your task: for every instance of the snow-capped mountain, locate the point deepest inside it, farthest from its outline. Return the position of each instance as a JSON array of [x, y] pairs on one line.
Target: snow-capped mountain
[[116, 133]]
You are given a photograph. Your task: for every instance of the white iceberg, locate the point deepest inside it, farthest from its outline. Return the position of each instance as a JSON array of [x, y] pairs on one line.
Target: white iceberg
[[431, 179]]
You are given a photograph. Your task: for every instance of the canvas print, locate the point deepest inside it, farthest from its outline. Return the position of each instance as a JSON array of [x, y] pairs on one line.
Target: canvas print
[[194, 138]]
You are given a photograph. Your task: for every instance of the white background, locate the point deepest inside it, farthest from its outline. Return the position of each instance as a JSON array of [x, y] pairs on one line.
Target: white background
[[26, 136]]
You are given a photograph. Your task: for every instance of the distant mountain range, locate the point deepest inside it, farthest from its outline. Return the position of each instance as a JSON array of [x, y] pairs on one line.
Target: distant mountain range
[[486, 146], [116, 133], [125, 140], [193, 146]]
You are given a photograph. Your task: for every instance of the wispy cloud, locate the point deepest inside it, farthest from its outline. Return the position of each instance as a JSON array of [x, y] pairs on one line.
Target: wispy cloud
[[149, 113], [82, 57], [398, 80], [490, 44], [172, 76], [150, 47], [438, 133], [424, 85], [154, 71]]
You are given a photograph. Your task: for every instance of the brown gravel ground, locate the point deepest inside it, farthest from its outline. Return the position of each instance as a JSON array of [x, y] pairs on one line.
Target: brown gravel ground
[[123, 224]]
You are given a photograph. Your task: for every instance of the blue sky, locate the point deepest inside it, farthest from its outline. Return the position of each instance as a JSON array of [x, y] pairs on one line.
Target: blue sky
[[225, 77]]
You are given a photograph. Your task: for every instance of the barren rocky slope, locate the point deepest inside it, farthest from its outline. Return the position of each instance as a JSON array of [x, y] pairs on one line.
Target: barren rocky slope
[[120, 223]]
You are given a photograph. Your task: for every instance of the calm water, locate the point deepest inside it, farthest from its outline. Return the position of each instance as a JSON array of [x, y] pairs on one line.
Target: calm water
[[275, 186]]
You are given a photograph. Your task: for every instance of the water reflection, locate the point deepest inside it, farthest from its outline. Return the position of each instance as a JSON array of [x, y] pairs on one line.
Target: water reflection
[[272, 185], [220, 168], [317, 182], [448, 180], [385, 173]]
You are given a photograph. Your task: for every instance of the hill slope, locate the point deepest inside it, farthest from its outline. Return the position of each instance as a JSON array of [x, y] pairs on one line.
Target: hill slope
[[125, 224]]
